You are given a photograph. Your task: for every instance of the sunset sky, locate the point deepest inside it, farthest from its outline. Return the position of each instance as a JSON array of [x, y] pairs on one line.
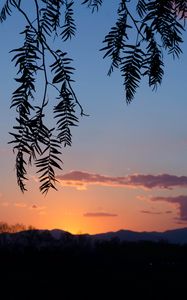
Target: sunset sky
[[127, 167]]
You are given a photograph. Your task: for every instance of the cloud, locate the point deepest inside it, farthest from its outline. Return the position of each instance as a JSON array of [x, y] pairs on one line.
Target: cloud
[[181, 202], [99, 214], [81, 180], [20, 204], [155, 212], [151, 212], [5, 204], [42, 212], [141, 197], [34, 206]]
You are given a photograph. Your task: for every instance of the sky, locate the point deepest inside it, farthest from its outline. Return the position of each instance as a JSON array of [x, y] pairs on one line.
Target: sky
[[127, 167]]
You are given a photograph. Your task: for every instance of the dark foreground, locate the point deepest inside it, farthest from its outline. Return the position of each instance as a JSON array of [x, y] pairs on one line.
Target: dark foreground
[[44, 268]]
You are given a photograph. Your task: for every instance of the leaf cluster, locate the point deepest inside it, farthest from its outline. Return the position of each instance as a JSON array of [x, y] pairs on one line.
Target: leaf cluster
[[136, 45], [33, 141], [93, 4], [6, 10]]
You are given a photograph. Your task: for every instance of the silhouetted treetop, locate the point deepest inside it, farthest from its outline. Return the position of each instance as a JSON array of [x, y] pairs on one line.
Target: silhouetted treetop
[[143, 33]]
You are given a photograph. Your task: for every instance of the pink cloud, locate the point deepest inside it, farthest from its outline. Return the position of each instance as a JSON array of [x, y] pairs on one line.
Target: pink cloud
[[20, 204], [99, 214], [5, 204], [181, 201], [81, 180], [141, 197]]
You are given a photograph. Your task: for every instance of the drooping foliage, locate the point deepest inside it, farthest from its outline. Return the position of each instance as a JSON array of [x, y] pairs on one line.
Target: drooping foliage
[[33, 140], [144, 31], [136, 45]]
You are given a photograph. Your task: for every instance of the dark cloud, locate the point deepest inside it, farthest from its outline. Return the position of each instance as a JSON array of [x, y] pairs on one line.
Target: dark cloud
[[99, 214], [151, 212], [181, 201], [179, 222], [81, 180]]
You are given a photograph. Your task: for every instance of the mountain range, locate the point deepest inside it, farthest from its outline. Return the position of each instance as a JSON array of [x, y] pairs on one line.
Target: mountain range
[[176, 236], [38, 237]]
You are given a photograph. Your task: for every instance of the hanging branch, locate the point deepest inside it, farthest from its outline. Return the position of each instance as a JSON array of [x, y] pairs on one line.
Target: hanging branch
[[35, 139], [156, 28]]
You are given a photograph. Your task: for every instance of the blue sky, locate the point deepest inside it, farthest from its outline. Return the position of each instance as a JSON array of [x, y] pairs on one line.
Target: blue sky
[[149, 136]]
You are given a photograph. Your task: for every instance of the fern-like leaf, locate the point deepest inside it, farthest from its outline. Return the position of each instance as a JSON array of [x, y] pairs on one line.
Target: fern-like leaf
[[61, 67], [6, 10], [131, 70], [22, 147], [50, 20], [153, 62], [21, 171], [115, 41], [180, 8], [141, 8], [65, 113], [162, 18], [93, 4], [26, 59], [69, 27], [47, 164]]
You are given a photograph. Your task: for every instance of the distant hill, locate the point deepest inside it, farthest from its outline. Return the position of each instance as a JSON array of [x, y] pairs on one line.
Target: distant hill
[[45, 237], [177, 236]]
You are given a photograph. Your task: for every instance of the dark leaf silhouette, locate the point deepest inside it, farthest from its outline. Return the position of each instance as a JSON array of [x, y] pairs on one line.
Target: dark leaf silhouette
[[69, 27], [50, 16], [141, 8], [131, 70], [158, 29], [6, 10], [65, 112], [33, 141], [93, 4], [47, 163], [116, 40]]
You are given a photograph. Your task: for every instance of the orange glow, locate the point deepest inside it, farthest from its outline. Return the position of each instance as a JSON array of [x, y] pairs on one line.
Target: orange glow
[[95, 210]]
